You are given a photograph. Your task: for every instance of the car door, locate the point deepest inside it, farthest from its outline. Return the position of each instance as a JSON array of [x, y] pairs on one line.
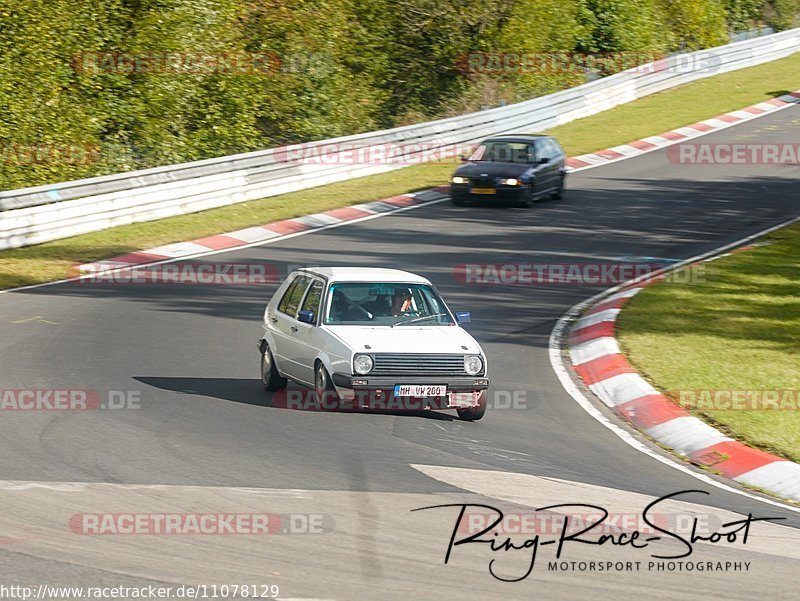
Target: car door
[[556, 163], [306, 343], [559, 162], [284, 324], [544, 171]]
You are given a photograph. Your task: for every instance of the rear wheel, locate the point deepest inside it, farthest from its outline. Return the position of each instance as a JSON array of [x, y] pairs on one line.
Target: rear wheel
[[471, 414], [324, 392], [270, 378]]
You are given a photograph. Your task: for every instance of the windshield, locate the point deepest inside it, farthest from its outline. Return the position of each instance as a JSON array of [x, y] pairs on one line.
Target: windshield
[[504, 152], [385, 304]]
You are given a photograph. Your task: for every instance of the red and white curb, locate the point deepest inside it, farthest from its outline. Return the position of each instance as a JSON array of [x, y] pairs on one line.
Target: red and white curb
[[263, 233], [701, 128], [596, 358]]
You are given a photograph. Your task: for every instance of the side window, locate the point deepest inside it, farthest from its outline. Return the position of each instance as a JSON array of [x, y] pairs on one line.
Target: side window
[[291, 299], [555, 149], [313, 296], [542, 150]]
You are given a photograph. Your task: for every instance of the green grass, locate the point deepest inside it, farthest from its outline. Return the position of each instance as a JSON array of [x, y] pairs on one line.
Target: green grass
[[649, 116], [739, 329]]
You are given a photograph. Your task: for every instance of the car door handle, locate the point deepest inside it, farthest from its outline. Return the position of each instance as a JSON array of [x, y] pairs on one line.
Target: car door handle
[[294, 328], [273, 319]]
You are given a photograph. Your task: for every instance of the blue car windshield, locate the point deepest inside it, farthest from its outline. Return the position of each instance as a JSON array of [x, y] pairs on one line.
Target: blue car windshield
[[385, 304]]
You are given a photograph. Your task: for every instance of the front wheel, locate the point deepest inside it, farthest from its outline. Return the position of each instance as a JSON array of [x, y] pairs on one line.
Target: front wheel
[[471, 414], [528, 198], [271, 380], [559, 193], [324, 391]]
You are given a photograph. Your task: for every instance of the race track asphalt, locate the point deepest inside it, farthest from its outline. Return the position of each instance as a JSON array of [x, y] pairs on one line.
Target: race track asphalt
[[208, 433]]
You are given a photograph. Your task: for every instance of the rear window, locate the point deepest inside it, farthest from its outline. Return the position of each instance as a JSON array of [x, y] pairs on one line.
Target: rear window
[[311, 302], [294, 293]]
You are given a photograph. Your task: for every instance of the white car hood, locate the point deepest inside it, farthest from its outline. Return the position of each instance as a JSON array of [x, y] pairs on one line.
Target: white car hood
[[406, 339]]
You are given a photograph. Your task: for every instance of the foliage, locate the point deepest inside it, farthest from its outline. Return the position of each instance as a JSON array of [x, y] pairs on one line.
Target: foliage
[[89, 87]]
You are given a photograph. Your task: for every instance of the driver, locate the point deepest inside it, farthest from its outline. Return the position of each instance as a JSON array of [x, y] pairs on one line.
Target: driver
[[401, 302], [342, 310]]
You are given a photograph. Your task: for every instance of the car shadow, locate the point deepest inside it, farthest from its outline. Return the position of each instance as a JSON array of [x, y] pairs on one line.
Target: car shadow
[[249, 392]]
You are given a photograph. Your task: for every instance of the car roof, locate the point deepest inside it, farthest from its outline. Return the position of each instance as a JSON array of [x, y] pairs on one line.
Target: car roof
[[366, 274], [517, 138]]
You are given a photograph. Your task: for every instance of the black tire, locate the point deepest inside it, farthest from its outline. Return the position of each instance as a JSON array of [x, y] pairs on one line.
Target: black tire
[[271, 380], [528, 200], [324, 392], [559, 193], [472, 414]]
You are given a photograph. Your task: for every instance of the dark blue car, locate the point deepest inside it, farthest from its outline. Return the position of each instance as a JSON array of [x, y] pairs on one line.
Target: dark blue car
[[516, 169]]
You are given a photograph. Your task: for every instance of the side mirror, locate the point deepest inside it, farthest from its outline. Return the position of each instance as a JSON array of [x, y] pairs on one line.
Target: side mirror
[[543, 160], [463, 317], [305, 317], [464, 158]]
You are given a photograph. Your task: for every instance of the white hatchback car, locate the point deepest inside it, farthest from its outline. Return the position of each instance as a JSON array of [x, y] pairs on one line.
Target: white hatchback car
[[363, 335]]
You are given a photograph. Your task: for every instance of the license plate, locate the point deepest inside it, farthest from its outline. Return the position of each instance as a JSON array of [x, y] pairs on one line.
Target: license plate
[[483, 191], [420, 390]]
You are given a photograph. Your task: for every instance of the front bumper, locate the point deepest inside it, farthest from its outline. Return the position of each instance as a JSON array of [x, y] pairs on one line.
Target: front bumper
[[378, 392], [454, 384], [461, 192]]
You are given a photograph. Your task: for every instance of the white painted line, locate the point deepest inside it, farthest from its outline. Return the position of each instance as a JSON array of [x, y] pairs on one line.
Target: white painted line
[[594, 349], [19, 485], [623, 388], [686, 434]]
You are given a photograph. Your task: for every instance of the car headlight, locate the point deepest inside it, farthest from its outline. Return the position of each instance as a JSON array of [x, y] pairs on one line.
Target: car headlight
[[473, 365], [362, 364], [460, 180], [511, 181]]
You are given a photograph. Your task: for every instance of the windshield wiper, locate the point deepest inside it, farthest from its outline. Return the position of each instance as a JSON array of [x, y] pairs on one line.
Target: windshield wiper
[[423, 318]]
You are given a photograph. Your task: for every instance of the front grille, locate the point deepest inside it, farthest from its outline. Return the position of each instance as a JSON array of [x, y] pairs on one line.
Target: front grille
[[482, 182], [418, 365]]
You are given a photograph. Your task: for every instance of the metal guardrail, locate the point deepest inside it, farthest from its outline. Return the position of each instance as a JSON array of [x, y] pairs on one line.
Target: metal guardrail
[[43, 213]]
